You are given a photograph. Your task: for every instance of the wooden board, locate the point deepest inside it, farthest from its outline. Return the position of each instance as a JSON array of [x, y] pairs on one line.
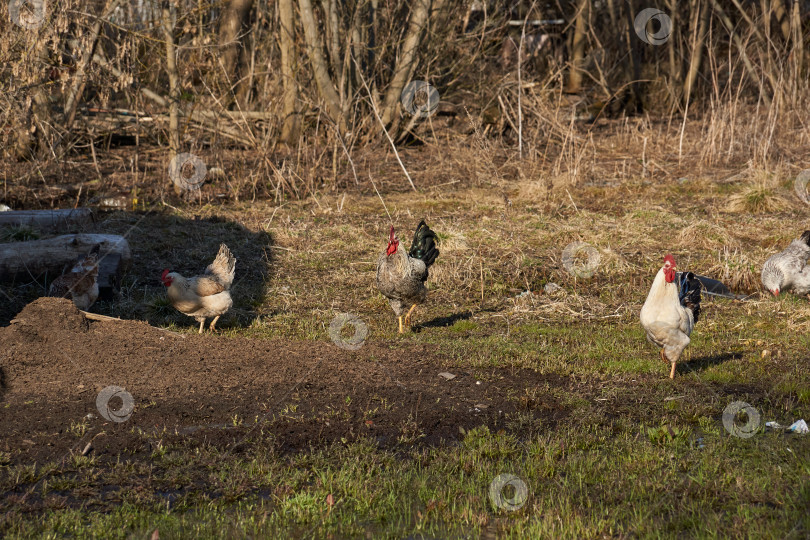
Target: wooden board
[[49, 258], [110, 273], [48, 220]]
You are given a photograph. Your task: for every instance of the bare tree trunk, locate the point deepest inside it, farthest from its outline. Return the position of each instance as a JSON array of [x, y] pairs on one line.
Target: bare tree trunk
[[234, 19], [332, 24], [372, 31], [359, 42], [291, 129], [577, 49], [612, 11], [675, 66], [798, 44], [782, 18], [420, 11], [169, 15], [635, 56], [41, 106], [701, 23], [319, 69]]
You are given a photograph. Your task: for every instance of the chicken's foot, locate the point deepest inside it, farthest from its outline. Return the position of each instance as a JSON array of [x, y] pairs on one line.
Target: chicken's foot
[[672, 372], [213, 325], [401, 331], [202, 323], [408, 315], [664, 357]]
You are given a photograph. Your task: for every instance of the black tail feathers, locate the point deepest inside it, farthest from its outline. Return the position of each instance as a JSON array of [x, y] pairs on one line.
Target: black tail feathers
[[805, 237], [690, 293], [424, 244]]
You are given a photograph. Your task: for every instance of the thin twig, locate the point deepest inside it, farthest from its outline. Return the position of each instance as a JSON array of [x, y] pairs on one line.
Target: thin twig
[[390, 219], [106, 318]]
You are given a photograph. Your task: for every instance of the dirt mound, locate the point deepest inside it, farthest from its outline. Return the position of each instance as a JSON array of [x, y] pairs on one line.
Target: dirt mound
[[55, 364], [46, 317]]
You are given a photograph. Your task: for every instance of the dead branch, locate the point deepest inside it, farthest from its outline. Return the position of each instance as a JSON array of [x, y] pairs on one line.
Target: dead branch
[[77, 86], [749, 67], [164, 102]]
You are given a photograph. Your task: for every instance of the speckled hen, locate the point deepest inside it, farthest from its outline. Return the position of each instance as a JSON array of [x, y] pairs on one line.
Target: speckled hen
[[402, 275], [81, 283], [788, 270]]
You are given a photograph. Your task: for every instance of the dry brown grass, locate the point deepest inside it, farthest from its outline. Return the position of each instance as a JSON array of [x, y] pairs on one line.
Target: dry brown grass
[[737, 268], [762, 196], [703, 234], [757, 200]]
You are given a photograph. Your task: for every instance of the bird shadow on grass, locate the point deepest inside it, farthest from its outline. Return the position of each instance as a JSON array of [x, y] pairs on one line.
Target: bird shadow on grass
[[443, 322], [181, 243], [705, 362]]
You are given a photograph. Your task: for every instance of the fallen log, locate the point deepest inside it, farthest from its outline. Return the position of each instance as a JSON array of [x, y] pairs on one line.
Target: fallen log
[[48, 220], [51, 257]]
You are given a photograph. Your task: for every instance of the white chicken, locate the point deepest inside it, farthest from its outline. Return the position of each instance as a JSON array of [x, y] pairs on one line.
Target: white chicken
[[789, 270], [669, 317], [207, 295]]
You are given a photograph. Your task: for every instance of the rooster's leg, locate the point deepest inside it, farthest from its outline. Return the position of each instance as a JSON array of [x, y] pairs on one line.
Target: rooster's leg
[[664, 357], [672, 372], [202, 323], [408, 315], [213, 325], [401, 331]]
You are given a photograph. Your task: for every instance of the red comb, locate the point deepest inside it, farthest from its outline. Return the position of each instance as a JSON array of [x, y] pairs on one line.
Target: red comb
[[163, 275], [669, 258], [391, 235]]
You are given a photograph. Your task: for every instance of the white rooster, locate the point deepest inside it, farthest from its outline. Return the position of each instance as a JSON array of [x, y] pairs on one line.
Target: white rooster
[[789, 270], [207, 295], [669, 317]]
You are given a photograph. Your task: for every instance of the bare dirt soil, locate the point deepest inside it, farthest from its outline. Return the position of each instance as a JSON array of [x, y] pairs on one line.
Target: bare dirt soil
[[226, 390]]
